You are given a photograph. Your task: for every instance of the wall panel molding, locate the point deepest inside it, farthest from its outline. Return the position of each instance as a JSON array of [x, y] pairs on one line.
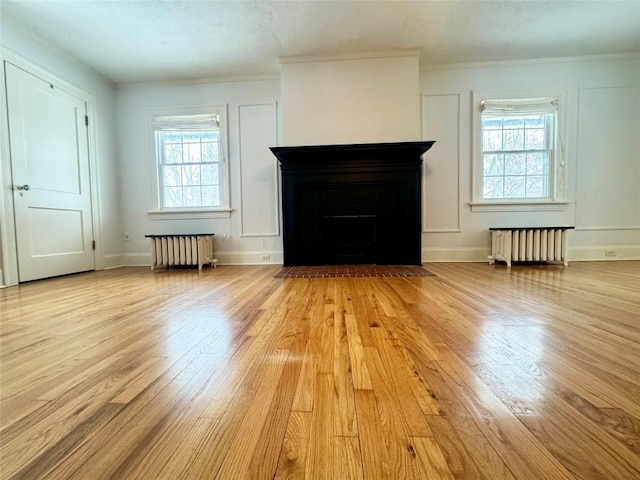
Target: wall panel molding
[[607, 166], [441, 168], [259, 186]]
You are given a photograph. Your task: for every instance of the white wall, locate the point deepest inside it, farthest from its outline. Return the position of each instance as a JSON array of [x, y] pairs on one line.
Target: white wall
[[602, 151], [355, 100], [253, 228], [19, 44]]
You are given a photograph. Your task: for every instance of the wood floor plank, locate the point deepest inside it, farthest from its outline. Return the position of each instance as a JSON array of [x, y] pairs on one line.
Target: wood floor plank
[[359, 370], [293, 455], [430, 460], [245, 442], [395, 426], [398, 379], [319, 464], [265, 456], [477, 372], [344, 402], [347, 458], [375, 456]]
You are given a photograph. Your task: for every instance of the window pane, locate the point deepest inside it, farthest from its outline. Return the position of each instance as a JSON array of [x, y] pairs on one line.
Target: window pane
[[535, 139], [190, 137], [537, 186], [493, 187], [513, 139], [211, 196], [171, 176], [492, 140], [515, 164], [535, 121], [493, 165], [210, 152], [172, 197], [514, 122], [172, 153], [492, 123], [191, 152], [537, 163], [514, 186], [171, 136], [210, 174], [192, 197], [191, 175]]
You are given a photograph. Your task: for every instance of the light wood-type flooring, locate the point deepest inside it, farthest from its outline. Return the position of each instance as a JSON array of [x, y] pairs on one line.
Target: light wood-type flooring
[[479, 372]]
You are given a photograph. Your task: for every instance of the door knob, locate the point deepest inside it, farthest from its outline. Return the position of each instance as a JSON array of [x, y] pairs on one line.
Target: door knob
[[26, 188]]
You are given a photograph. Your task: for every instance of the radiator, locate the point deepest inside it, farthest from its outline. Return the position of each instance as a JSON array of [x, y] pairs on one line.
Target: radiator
[[171, 250], [547, 244]]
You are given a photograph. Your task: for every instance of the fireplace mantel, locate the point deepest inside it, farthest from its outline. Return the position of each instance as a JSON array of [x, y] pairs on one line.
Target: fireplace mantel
[[358, 203]]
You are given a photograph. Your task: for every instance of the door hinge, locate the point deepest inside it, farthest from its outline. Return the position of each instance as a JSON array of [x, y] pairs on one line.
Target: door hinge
[[86, 120], [93, 244]]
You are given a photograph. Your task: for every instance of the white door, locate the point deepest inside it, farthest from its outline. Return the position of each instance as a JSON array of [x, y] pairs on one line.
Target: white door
[[50, 172]]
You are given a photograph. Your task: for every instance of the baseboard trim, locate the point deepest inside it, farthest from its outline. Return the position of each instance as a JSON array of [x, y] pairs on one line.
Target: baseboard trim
[[576, 254], [432, 254], [435, 254], [112, 261], [591, 254], [224, 258]]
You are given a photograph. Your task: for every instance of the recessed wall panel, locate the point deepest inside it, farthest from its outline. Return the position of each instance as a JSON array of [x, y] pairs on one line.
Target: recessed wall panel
[[440, 169], [608, 161], [259, 173]]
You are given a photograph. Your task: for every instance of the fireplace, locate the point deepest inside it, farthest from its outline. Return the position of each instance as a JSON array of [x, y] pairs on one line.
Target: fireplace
[[352, 204]]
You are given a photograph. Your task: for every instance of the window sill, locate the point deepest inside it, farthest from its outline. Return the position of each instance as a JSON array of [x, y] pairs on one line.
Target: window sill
[[517, 206], [188, 214]]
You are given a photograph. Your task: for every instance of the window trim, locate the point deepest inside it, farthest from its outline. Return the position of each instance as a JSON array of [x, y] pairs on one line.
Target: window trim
[[557, 171], [156, 212]]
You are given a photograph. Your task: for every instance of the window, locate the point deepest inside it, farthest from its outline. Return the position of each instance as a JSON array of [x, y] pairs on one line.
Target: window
[[190, 161], [517, 159]]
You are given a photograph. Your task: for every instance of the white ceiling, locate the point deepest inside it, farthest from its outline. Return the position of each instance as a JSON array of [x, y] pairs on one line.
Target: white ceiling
[[131, 41]]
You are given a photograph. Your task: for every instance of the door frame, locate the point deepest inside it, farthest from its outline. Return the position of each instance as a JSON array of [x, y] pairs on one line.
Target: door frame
[[9, 264]]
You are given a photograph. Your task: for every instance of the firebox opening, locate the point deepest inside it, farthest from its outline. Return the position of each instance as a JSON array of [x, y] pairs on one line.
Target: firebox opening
[[350, 239]]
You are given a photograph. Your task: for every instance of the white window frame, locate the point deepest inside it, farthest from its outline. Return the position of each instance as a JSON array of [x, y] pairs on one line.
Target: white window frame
[[157, 212], [557, 165]]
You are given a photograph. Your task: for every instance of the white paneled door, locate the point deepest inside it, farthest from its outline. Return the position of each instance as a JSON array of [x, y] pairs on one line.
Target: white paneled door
[[50, 172]]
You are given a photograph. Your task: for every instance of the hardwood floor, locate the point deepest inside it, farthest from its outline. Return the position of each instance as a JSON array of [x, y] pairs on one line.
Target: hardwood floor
[[479, 372]]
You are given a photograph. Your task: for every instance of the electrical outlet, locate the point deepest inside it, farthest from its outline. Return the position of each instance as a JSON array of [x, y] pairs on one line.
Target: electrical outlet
[[265, 258], [126, 236], [609, 253]]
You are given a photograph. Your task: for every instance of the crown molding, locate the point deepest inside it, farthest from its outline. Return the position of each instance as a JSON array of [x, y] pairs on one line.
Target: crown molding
[[531, 61], [410, 52]]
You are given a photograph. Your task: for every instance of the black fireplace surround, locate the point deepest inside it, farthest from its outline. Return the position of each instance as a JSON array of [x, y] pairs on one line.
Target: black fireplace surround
[[352, 204]]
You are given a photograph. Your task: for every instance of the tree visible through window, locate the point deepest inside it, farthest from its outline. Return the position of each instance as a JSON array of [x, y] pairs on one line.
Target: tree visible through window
[[516, 151], [189, 157]]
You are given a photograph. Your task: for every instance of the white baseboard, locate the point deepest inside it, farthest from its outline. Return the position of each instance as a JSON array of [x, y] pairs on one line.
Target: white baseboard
[[434, 254], [224, 258], [112, 261], [576, 254], [249, 258], [622, 252]]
